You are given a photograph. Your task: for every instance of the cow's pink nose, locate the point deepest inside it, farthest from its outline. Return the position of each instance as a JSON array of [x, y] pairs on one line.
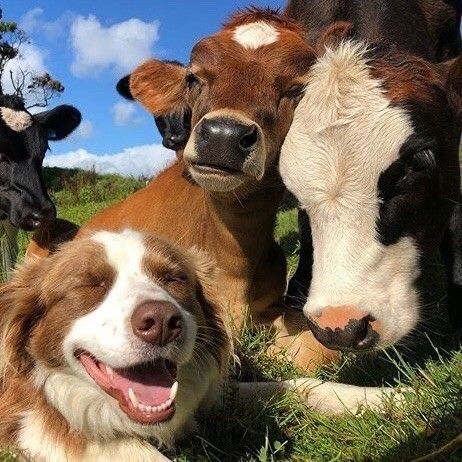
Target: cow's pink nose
[[345, 328]]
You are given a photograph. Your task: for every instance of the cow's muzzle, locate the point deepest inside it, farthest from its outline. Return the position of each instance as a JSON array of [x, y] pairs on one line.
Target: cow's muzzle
[[345, 328], [31, 217], [224, 151]]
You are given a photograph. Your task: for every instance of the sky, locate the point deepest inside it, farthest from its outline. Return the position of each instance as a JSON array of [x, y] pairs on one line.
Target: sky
[[89, 45]]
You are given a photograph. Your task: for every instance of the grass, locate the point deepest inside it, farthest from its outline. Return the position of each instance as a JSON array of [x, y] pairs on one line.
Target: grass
[[283, 430]]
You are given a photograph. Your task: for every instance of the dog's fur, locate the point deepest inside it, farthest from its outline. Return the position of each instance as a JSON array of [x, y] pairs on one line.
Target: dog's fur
[[50, 408], [79, 300]]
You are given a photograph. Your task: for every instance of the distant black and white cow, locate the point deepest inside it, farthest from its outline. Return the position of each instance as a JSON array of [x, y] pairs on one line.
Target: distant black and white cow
[[372, 156], [24, 201]]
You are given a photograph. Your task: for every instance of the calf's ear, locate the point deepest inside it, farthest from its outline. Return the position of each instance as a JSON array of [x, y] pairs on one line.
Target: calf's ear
[[60, 121], [159, 86], [333, 35], [123, 87]]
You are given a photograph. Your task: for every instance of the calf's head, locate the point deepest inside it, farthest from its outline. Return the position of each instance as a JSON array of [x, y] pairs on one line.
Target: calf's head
[[23, 143], [241, 88], [174, 127], [372, 156]]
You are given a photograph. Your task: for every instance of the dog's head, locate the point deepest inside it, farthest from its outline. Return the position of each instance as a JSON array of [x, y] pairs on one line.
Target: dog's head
[[122, 332]]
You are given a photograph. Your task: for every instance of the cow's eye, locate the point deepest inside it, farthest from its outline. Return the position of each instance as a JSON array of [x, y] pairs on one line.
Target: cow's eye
[[191, 80], [295, 92]]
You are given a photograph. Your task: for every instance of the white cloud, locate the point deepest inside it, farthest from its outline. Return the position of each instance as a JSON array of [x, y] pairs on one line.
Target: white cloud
[[31, 20], [124, 113], [137, 161], [34, 22], [31, 58], [84, 130], [120, 46]]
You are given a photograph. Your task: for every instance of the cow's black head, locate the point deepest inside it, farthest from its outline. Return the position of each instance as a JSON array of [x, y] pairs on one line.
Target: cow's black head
[[174, 127], [23, 143]]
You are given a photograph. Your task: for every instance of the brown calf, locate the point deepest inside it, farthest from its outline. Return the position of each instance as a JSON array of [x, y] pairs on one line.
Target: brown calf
[[242, 87]]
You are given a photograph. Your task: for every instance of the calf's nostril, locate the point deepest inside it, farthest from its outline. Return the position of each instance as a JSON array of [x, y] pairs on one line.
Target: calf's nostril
[[248, 141]]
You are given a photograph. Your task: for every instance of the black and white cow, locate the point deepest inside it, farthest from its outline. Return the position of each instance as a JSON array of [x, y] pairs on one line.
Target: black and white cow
[[24, 137], [372, 156], [427, 28]]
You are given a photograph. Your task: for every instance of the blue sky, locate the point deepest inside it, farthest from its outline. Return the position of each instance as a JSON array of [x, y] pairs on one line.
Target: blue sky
[[88, 45]]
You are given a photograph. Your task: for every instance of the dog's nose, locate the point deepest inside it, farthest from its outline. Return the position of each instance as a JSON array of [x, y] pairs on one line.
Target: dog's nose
[[345, 328], [224, 142], [157, 322]]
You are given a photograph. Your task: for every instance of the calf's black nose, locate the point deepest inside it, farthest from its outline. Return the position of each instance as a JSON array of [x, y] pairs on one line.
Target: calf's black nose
[[175, 142], [225, 143]]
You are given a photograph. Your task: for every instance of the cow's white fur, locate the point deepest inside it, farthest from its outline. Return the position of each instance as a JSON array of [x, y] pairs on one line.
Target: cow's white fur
[[16, 120], [255, 35], [344, 134], [105, 332]]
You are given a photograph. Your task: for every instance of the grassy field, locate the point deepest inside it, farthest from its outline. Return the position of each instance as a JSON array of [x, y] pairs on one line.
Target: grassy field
[[283, 430]]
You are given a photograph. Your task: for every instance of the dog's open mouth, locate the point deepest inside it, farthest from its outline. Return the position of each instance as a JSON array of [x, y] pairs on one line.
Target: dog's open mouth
[[145, 392]]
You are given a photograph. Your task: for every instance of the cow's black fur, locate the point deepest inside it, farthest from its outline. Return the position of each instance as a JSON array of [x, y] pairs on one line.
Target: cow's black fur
[[426, 28], [23, 196], [174, 128]]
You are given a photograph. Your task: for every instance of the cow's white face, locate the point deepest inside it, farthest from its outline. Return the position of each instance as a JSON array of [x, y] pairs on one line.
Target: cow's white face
[[345, 142]]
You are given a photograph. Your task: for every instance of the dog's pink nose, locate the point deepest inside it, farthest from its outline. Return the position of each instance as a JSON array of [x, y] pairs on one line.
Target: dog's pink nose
[[157, 322], [345, 328]]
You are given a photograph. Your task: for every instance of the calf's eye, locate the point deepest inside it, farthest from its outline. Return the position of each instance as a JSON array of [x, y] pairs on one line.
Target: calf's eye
[[191, 80]]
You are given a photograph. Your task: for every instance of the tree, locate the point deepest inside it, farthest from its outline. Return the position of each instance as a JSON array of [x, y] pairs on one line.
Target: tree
[[35, 89]]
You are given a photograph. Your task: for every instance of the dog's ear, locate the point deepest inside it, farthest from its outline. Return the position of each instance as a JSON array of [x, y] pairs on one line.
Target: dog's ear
[[217, 325], [20, 309]]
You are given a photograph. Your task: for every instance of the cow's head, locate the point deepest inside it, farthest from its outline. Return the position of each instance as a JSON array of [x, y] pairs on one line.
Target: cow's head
[[372, 156], [23, 143], [174, 127], [241, 87]]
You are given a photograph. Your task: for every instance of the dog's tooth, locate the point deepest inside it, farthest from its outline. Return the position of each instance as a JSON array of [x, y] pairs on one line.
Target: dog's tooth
[[142, 407], [162, 407], [174, 391], [109, 371], [148, 409], [133, 398], [168, 403]]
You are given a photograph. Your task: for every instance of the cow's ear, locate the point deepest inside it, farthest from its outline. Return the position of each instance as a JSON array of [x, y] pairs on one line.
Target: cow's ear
[[123, 88], [333, 35], [60, 121], [452, 71], [159, 86]]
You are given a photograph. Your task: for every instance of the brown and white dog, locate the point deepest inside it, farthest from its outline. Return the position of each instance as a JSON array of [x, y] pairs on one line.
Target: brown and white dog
[[116, 340], [113, 340]]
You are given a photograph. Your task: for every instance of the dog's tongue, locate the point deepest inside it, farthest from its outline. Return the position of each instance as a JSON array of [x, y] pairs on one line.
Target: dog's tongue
[[151, 384]]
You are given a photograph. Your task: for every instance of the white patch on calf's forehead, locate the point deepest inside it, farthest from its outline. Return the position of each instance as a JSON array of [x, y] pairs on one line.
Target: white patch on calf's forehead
[[344, 134], [16, 120], [255, 35]]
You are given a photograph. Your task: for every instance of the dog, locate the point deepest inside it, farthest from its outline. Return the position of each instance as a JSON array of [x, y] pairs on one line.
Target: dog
[[113, 340], [118, 340]]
